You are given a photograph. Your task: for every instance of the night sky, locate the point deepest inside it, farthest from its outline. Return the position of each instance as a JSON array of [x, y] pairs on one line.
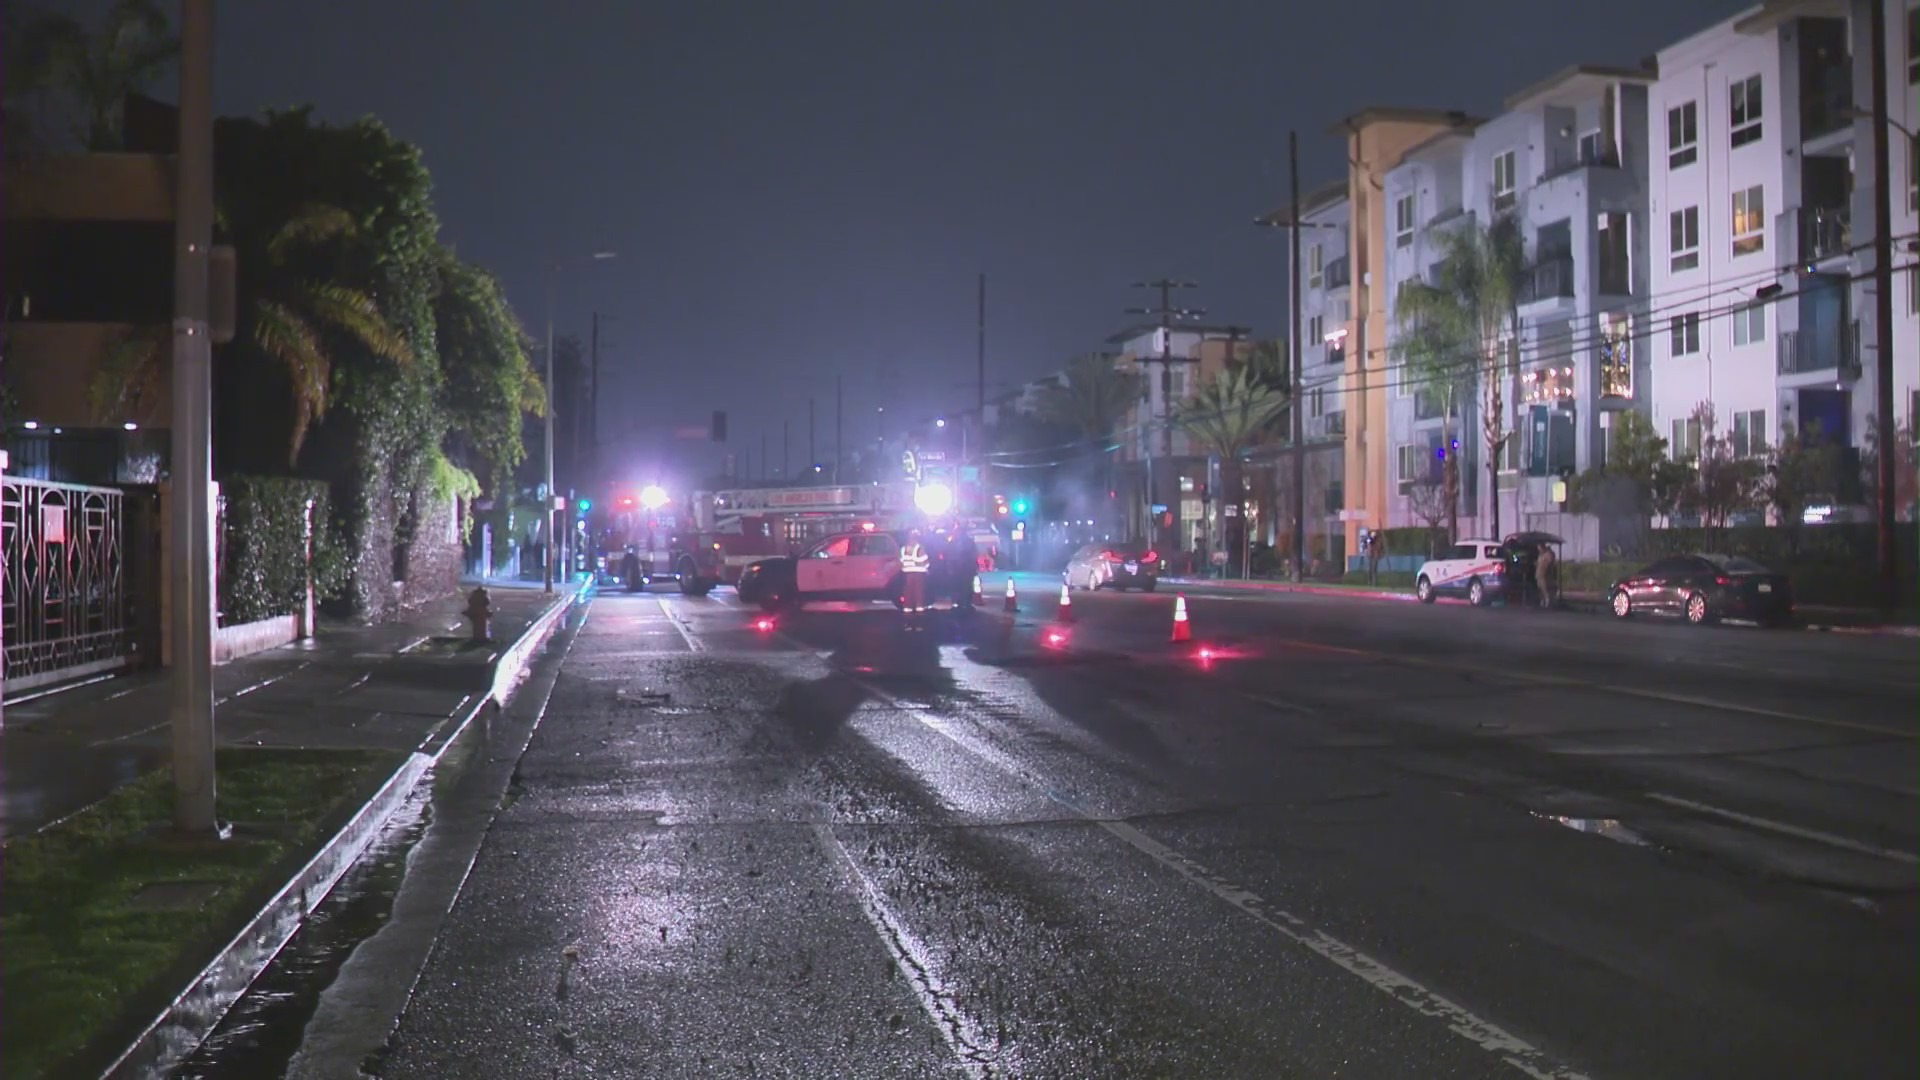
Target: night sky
[[797, 189]]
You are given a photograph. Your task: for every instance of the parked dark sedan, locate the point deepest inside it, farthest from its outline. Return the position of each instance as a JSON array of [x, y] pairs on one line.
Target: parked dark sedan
[[1705, 588]]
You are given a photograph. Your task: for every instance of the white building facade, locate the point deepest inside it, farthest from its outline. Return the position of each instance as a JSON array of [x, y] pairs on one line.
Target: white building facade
[[1568, 162], [1762, 194]]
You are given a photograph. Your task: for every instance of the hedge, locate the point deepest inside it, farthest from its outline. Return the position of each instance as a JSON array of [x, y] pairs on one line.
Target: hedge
[[262, 555]]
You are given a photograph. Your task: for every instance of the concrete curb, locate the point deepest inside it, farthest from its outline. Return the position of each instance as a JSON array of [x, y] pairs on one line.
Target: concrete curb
[[1585, 603], [196, 1010]]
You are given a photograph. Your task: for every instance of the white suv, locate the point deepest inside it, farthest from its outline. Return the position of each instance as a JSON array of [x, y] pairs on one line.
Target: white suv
[[1475, 569]]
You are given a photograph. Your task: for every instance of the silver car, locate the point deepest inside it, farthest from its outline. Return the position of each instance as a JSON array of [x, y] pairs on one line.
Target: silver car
[[1119, 566]]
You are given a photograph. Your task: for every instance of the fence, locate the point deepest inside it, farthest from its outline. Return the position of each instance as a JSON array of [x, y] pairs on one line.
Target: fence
[[64, 612]]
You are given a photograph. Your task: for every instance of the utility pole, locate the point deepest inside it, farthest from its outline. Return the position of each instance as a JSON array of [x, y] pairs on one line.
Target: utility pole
[[1168, 315], [191, 706], [1294, 351], [593, 399], [980, 364], [786, 450], [1883, 308], [1234, 336], [764, 459], [839, 426], [813, 457]]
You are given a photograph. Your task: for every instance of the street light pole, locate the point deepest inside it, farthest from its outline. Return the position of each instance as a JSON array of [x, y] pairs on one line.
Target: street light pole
[[191, 705], [1883, 310], [553, 510], [1298, 405]]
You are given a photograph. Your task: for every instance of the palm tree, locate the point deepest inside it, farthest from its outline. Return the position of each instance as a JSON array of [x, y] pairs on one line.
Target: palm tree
[[93, 70], [1229, 415], [293, 319], [1450, 338], [1092, 398]]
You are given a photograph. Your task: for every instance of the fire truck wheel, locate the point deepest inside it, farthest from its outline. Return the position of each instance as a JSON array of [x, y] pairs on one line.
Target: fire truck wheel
[[691, 583]]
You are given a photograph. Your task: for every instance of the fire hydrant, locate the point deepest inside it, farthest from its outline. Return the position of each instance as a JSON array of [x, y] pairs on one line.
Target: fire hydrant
[[480, 613]]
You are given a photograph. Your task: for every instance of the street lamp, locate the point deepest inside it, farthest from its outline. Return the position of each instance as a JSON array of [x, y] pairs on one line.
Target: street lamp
[[552, 511]]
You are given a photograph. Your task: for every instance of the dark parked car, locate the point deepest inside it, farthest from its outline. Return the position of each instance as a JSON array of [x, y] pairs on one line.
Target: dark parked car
[[1120, 566], [1705, 588]]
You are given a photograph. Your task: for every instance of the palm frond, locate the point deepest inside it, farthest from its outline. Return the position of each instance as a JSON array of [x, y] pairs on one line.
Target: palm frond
[[284, 335], [314, 223], [356, 313]]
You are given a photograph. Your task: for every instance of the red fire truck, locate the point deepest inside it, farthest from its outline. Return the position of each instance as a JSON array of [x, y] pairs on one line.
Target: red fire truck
[[708, 537]]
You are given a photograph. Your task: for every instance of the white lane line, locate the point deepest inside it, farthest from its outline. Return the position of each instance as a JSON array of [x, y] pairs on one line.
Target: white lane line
[[693, 644], [963, 1036], [412, 645], [1282, 704], [1510, 1048], [1785, 829]]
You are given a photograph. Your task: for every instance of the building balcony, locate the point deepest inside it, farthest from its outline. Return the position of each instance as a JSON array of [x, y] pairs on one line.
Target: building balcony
[[1809, 236], [1567, 160], [1337, 274], [1550, 280], [1835, 352]]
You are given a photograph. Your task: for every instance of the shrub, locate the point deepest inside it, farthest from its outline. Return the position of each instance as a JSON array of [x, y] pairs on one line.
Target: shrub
[[262, 557]]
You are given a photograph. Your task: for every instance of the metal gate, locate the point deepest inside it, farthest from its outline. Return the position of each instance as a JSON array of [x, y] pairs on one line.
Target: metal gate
[[64, 608]]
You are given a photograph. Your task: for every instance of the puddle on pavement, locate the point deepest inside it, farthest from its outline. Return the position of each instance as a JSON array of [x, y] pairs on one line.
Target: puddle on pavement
[[261, 1033], [1607, 827]]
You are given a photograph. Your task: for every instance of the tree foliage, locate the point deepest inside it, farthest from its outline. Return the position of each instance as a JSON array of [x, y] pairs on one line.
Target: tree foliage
[[1095, 396], [1450, 330], [1723, 484], [79, 76], [490, 382]]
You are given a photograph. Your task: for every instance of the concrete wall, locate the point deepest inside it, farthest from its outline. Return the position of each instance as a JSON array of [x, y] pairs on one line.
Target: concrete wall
[[244, 639]]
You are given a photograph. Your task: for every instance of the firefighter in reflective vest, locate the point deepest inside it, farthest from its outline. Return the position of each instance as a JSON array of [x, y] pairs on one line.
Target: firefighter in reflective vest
[[914, 564]]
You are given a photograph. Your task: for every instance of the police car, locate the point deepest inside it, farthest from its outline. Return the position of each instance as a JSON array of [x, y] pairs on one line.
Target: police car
[[1475, 569]]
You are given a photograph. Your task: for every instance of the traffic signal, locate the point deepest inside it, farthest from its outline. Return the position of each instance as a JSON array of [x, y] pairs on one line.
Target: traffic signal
[[1019, 506], [586, 505]]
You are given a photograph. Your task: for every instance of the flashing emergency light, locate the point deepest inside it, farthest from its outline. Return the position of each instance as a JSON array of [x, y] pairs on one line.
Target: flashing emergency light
[[653, 497], [763, 624], [933, 499]]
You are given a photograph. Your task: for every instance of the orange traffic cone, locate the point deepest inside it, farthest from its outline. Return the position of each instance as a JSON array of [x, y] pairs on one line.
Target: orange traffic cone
[[1064, 612], [1012, 603], [1181, 630]]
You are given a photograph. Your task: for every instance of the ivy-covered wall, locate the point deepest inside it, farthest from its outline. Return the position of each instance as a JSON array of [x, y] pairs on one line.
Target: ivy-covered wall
[[262, 546]]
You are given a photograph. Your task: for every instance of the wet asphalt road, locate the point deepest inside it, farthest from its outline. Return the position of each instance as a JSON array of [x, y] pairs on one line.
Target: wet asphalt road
[[1366, 839]]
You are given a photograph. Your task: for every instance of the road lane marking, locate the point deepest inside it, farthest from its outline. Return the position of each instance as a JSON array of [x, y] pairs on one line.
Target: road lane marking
[[1781, 827], [218, 702], [1510, 1048], [693, 644], [1283, 705], [1527, 678], [964, 1037]]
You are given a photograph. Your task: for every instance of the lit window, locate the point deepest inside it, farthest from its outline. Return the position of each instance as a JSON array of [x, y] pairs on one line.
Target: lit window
[[1684, 238], [1616, 357], [1744, 110], [1683, 135], [1403, 221], [1749, 221], [1750, 325], [1684, 330], [1503, 181]]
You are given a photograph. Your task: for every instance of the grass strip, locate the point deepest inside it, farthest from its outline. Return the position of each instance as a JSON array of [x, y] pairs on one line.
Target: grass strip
[[78, 948]]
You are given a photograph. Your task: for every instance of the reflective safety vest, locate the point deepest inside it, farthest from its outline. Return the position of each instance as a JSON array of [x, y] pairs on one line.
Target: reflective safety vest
[[914, 559]]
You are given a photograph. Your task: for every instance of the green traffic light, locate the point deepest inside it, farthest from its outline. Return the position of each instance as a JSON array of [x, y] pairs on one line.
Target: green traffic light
[[586, 505]]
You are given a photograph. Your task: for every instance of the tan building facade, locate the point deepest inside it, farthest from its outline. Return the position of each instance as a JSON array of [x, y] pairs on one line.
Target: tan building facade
[[1376, 140]]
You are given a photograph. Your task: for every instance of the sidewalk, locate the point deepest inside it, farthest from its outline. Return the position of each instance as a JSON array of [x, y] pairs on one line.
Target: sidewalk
[[1817, 617], [383, 687]]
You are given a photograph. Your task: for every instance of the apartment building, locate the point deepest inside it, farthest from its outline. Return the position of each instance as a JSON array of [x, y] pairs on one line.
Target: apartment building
[[1161, 461], [1376, 139], [1567, 163], [1762, 194]]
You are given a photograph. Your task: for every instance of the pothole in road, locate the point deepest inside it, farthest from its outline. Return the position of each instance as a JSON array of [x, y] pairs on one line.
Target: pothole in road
[[1607, 827]]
